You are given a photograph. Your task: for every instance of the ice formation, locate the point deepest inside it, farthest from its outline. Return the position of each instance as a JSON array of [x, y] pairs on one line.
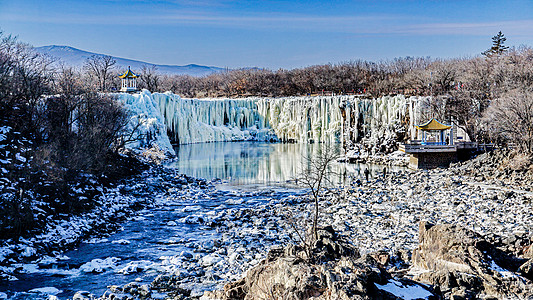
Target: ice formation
[[293, 119], [298, 119], [211, 120], [150, 124]]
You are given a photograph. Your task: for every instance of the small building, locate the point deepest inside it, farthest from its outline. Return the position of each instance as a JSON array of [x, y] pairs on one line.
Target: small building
[[129, 81], [436, 149]]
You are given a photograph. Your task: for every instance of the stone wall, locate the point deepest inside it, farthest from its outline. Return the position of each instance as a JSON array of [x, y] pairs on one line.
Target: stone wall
[[432, 160]]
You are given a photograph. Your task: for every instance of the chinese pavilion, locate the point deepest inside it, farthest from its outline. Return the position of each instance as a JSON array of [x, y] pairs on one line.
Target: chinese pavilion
[[129, 81]]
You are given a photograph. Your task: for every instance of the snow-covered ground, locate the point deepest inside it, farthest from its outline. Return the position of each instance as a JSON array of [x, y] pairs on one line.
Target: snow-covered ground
[[200, 235]]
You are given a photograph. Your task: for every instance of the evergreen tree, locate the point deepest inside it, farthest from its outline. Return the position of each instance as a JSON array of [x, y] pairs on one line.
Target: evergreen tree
[[498, 46]]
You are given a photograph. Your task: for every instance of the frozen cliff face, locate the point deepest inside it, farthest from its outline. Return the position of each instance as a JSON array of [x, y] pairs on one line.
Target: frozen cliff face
[[298, 119], [303, 119], [383, 120], [329, 118], [150, 124], [211, 120]]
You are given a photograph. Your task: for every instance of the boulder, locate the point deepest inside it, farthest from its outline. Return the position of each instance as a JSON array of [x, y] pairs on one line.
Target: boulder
[[330, 269], [460, 261]]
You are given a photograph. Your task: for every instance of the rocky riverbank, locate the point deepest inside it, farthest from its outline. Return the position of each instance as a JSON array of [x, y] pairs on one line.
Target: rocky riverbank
[[379, 219], [385, 219], [450, 262], [482, 250], [114, 205], [509, 169]]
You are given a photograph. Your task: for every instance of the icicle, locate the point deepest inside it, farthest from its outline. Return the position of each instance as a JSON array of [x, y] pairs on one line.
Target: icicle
[[299, 119]]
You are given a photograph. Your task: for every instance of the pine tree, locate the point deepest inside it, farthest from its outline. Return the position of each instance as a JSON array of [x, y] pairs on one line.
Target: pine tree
[[498, 46]]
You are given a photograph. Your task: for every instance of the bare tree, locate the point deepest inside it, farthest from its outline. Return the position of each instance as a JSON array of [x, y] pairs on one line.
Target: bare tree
[[316, 175], [100, 68], [511, 118], [150, 79]]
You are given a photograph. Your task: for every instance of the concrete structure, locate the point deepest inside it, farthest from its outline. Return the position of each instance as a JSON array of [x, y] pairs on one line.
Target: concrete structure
[[438, 148], [129, 81]]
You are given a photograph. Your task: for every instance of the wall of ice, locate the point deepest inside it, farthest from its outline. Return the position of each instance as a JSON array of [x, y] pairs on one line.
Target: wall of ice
[[328, 118], [147, 121], [297, 119], [211, 120]]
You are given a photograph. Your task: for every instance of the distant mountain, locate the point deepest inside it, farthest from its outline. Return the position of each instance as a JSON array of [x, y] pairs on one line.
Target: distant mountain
[[76, 58]]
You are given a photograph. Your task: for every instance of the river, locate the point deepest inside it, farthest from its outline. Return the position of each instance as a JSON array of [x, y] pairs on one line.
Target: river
[[245, 175]]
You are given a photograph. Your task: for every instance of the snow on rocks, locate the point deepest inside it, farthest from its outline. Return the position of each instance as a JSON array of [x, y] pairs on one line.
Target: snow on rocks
[[380, 215], [403, 291], [46, 290], [99, 265], [114, 205], [121, 242], [211, 259], [384, 214], [137, 266], [172, 223]]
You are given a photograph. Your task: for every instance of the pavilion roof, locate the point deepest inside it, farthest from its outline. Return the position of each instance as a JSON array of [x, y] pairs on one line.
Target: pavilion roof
[[433, 125], [128, 74]]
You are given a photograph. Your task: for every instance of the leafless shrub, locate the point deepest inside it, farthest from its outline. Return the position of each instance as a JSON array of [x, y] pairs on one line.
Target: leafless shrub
[[510, 117], [316, 175]]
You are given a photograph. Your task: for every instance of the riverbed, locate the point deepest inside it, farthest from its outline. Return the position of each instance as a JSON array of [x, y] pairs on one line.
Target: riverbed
[[207, 235]]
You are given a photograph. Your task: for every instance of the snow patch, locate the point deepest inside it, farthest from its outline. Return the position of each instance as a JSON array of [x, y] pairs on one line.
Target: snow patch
[[503, 272], [46, 290], [121, 242], [20, 158], [99, 265], [406, 292]]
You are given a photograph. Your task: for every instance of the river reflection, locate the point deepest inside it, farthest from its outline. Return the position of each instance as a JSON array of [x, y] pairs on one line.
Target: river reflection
[[243, 163]]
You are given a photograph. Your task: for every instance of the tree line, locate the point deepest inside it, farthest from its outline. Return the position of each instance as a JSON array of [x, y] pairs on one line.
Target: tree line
[[488, 96]]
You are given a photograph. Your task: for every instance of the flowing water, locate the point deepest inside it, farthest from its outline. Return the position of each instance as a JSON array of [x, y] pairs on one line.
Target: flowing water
[[246, 174]]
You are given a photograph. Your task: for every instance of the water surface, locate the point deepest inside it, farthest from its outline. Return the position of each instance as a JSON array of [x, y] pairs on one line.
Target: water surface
[[258, 163]]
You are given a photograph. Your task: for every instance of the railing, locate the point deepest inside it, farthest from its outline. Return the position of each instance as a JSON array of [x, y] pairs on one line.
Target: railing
[[420, 142], [420, 148]]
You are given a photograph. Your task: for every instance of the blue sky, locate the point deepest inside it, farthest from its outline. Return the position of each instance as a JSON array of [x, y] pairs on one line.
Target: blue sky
[[271, 34]]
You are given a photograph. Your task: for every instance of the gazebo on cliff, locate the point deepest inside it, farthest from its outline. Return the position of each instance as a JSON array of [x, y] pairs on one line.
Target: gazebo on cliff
[[436, 149], [129, 81]]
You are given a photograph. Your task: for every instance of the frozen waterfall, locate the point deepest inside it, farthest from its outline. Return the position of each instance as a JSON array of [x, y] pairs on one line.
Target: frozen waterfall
[[291, 119], [148, 122], [211, 120]]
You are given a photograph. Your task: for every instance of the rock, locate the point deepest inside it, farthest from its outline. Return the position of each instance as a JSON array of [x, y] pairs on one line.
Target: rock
[[99, 265], [459, 258], [139, 291], [527, 269], [382, 257], [528, 251], [334, 270], [83, 295]]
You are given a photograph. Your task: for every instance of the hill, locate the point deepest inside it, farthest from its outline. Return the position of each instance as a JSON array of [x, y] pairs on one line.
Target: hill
[[76, 58]]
